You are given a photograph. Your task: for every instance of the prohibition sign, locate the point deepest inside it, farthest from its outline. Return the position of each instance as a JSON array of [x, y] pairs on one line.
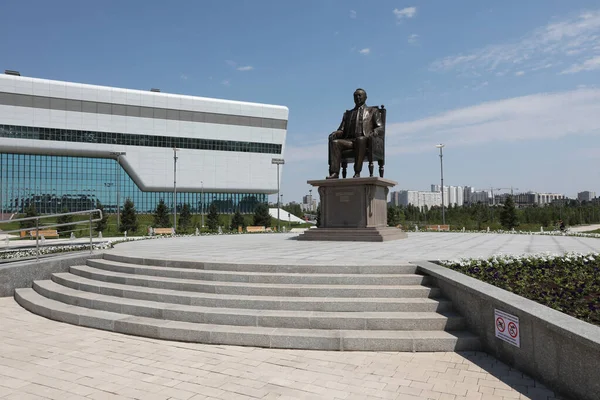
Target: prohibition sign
[[513, 331], [500, 324]]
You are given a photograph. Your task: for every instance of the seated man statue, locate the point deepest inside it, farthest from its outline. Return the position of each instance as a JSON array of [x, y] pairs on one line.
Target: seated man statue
[[357, 126]]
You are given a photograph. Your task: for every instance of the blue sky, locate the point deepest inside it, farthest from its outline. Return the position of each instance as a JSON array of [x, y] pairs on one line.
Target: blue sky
[[511, 87]]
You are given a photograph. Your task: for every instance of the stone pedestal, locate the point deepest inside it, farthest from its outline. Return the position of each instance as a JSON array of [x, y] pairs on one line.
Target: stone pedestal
[[353, 209]]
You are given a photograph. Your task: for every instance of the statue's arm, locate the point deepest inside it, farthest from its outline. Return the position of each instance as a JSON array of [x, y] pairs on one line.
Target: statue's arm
[[340, 131], [378, 123]]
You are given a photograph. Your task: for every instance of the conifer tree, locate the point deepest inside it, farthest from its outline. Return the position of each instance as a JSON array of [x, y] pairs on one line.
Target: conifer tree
[[161, 215], [508, 214], [212, 219], [237, 220], [262, 216], [185, 218], [128, 218]]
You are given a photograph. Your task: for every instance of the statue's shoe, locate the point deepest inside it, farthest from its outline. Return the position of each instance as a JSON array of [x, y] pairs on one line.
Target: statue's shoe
[[333, 176], [357, 175]]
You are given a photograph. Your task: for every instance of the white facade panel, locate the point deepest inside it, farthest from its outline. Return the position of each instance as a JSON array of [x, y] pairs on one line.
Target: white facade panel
[[151, 167]]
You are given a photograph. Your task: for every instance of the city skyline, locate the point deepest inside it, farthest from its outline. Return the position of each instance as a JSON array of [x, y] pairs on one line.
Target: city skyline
[[510, 88]]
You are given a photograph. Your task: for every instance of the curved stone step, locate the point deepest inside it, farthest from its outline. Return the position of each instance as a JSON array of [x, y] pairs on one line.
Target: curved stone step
[[340, 304], [271, 268], [422, 321], [257, 289], [316, 339], [261, 277]]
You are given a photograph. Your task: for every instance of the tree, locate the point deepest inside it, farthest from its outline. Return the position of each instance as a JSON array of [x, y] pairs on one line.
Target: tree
[[393, 216], [212, 219], [185, 217], [64, 219], [30, 211], [508, 214], [319, 216], [103, 223], [161, 215], [237, 220], [128, 217], [262, 216], [294, 209]]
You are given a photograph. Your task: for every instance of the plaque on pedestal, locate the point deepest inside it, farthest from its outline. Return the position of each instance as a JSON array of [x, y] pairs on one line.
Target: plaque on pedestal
[[353, 210]]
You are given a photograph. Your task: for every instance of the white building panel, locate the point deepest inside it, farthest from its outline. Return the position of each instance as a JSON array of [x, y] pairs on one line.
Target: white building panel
[[151, 167]]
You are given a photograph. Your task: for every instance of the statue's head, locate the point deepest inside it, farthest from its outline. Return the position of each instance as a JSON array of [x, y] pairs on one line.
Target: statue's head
[[360, 97]]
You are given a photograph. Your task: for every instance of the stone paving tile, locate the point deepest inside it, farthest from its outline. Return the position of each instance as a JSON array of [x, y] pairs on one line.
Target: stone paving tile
[[418, 246], [44, 359]]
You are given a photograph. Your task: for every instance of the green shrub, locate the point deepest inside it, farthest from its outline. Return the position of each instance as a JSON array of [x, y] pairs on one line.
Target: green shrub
[[569, 283]]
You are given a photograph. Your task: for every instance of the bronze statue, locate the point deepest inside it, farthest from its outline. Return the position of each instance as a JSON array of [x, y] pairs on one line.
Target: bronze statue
[[360, 134]]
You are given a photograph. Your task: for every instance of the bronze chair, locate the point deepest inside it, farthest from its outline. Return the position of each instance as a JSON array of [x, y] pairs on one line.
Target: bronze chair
[[375, 150]]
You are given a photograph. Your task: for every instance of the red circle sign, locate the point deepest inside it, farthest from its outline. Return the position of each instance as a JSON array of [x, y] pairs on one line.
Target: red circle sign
[[500, 325], [513, 331]]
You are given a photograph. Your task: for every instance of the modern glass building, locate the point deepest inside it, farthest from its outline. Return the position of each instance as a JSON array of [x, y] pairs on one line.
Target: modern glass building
[[66, 146]]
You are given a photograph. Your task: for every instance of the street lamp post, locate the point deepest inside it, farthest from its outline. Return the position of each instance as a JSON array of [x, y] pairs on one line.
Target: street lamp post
[[441, 146], [202, 202], [278, 162], [175, 188], [117, 175]]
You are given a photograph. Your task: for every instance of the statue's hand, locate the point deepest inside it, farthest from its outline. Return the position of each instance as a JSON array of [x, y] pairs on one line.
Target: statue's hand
[[335, 135]]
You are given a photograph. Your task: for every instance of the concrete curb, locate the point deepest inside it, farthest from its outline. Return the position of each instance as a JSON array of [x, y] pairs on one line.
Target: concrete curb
[[559, 350], [21, 274]]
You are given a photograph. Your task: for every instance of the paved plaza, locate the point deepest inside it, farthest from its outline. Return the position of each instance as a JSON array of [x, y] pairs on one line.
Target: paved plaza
[[283, 248], [45, 359]]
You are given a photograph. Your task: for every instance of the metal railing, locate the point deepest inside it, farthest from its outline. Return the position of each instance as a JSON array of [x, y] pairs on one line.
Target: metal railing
[[37, 227]]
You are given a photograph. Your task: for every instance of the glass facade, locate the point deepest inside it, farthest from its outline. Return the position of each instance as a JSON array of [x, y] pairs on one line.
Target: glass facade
[[54, 183], [70, 135]]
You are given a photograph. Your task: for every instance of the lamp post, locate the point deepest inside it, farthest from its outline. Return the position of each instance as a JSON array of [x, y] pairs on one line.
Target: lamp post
[[278, 162], [202, 202], [175, 188], [118, 154], [441, 146]]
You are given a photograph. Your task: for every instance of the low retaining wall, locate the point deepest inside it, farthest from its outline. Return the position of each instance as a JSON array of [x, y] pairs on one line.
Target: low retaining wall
[[21, 274], [561, 351]]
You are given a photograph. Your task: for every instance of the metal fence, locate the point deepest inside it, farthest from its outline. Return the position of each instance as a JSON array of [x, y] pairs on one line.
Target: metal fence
[[40, 226]]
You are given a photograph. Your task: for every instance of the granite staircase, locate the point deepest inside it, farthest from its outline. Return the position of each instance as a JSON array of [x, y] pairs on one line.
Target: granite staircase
[[385, 308]]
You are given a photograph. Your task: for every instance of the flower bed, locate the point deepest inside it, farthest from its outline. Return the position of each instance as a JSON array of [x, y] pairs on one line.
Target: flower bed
[[31, 252], [516, 232], [569, 283]]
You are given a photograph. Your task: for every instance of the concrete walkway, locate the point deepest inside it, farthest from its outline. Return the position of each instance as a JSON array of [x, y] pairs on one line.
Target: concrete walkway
[[282, 248], [44, 359]]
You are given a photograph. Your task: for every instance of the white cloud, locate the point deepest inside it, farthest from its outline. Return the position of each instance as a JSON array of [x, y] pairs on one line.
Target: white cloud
[[413, 39], [245, 68], [544, 116], [183, 77], [365, 51], [226, 82], [408, 12], [519, 73], [545, 47], [588, 65], [352, 14], [231, 63]]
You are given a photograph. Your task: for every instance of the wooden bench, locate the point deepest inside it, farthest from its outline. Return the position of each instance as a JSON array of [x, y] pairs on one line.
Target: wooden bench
[[438, 227], [163, 231], [44, 232], [254, 229]]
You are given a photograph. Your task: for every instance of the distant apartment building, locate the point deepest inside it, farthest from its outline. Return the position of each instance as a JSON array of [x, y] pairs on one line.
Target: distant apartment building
[[308, 203], [479, 196], [452, 194], [548, 198], [586, 196], [416, 198]]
